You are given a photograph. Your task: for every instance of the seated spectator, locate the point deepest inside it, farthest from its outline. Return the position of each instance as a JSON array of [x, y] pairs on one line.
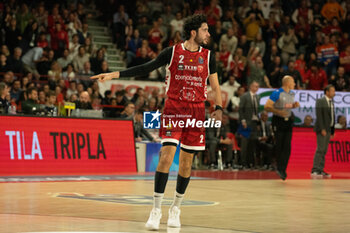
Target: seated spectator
[[217, 138], [231, 82], [84, 101], [69, 74], [84, 33], [155, 35], [41, 97], [291, 71], [87, 69], [16, 91], [141, 60], [308, 121], [72, 89], [42, 41], [80, 59], [341, 122], [90, 48], [74, 46], [51, 107], [55, 73], [133, 45], [265, 144], [177, 38], [5, 50], [128, 112], [139, 92], [230, 40], [97, 61], [177, 24], [274, 72], [316, 78], [31, 106], [105, 67], [121, 98], [340, 80], [224, 55], [44, 65], [64, 60], [140, 133], [4, 66], [345, 59], [4, 103], [15, 61]]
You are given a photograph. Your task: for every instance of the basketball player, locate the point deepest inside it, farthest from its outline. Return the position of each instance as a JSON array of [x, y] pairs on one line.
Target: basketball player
[[188, 66]]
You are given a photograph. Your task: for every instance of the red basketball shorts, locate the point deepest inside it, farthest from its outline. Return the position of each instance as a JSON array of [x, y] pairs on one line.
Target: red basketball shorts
[[179, 124]]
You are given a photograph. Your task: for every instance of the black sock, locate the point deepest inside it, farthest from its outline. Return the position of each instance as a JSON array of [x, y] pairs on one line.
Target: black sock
[[160, 180], [181, 184]]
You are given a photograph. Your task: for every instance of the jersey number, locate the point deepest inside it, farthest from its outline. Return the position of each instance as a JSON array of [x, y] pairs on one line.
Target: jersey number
[[202, 138], [181, 59]]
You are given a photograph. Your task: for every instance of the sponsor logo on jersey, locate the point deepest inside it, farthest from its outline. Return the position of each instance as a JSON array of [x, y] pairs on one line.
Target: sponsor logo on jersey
[[180, 67], [191, 68], [200, 69], [200, 60]]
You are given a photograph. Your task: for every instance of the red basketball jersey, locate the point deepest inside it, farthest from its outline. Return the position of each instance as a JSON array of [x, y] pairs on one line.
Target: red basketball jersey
[[187, 74]]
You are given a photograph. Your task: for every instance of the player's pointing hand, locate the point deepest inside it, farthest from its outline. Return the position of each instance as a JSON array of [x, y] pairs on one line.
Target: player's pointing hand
[[106, 76]]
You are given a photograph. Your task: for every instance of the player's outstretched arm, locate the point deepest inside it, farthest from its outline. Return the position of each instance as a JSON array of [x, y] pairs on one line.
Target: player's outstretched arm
[[106, 76]]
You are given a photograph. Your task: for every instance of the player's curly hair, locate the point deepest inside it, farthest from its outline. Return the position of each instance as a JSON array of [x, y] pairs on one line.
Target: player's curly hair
[[193, 23]]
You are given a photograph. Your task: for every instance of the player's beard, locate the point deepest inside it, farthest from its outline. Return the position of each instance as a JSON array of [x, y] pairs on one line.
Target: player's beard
[[199, 41]]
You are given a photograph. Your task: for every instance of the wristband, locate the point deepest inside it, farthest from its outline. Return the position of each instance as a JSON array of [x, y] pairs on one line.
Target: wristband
[[218, 107]]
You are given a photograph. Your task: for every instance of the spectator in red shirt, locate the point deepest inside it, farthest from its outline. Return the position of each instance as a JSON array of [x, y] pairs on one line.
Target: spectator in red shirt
[[59, 39], [42, 41], [213, 14], [316, 78], [333, 28], [155, 34], [345, 59], [224, 54], [54, 17]]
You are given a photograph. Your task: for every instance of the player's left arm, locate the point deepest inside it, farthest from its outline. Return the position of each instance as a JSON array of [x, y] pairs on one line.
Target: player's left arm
[[215, 86]]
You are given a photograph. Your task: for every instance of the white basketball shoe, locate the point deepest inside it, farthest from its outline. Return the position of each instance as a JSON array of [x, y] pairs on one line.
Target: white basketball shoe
[[154, 219], [174, 217]]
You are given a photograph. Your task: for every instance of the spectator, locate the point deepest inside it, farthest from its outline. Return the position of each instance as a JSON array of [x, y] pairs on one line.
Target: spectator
[[74, 46], [128, 112], [155, 35], [83, 33], [253, 24], [289, 46], [69, 74], [257, 73], [13, 35], [55, 73], [232, 83], [177, 24], [303, 11], [96, 62], [51, 107], [31, 106], [300, 65], [54, 17], [332, 9], [176, 39], [59, 39], [233, 108], [259, 43], [274, 72], [42, 41], [80, 59], [340, 80], [72, 89], [90, 48], [32, 58], [236, 65], [217, 139], [4, 103], [121, 98], [16, 91], [230, 40], [120, 20], [105, 67], [308, 121], [44, 65], [316, 78], [140, 133], [345, 59], [65, 59], [265, 144], [15, 61], [291, 71], [4, 66], [328, 55], [87, 69], [134, 43], [30, 36], [143, 27], [41, 97], [341, 122], [84, 101]]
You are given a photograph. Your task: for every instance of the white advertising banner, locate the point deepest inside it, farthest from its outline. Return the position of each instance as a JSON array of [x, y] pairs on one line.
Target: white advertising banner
[[306, 98]]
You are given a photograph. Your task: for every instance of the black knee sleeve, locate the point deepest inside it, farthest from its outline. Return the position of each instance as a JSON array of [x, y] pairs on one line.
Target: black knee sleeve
[[160, 181]]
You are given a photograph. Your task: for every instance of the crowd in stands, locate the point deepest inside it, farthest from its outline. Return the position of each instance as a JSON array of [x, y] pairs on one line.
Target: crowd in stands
[[47, 53]]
